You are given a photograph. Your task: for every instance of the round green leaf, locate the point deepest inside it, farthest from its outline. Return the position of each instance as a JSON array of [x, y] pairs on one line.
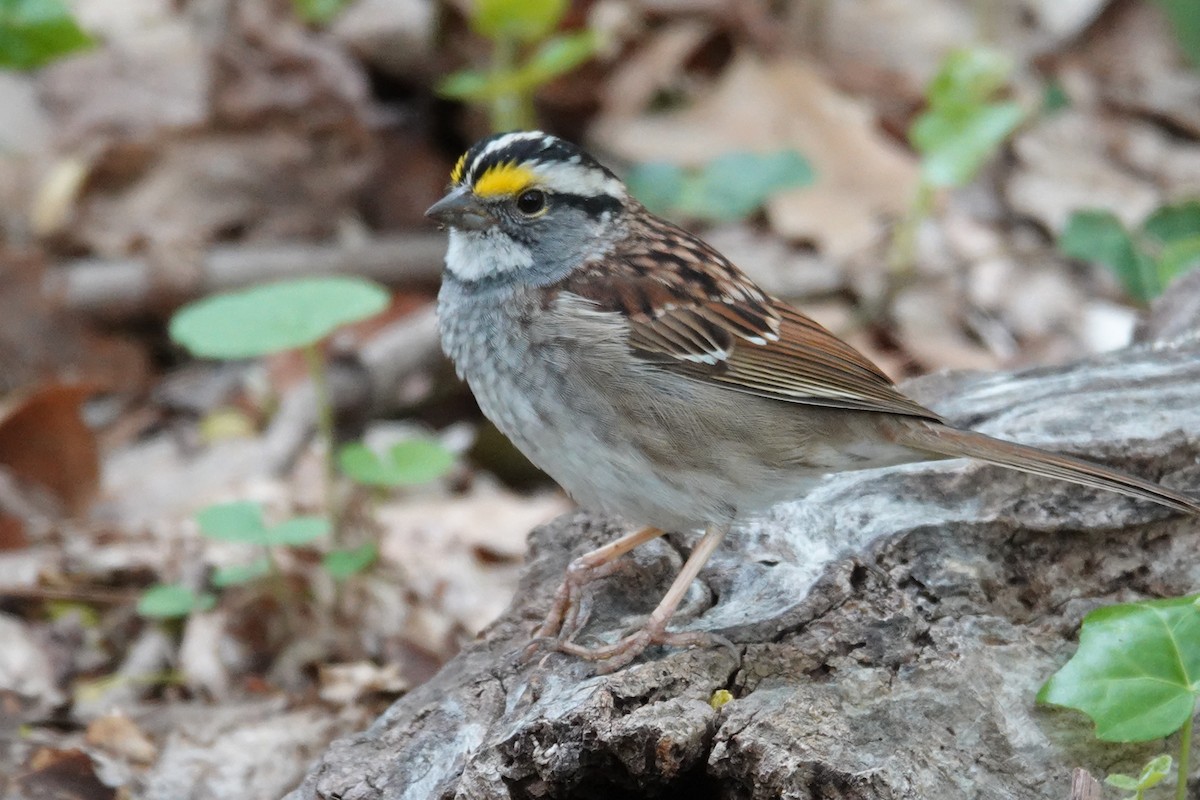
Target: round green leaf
[[236, 574], [342, 564], [1135, 670], [408, 463], [172, 600], [240, 521], [418, 461], [274, 317], [658, 185], [361, 464], [297, 531]]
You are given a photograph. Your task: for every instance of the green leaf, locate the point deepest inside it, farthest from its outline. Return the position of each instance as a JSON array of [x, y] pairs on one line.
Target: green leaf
[[955, 146], [318, 12], [522, 20], [165, 601], [729, 187], [1100, 237], [1185, 21], [968, 77], [1124, 782], [1155, 771], [1135, 671], [240, 521], [342, 564], [1054, 98], [236, 574], [466, 84], [732, 186], [1177, 258], [408, 463], [297, 531], [658, 185], [35, 32], [274, 317], [1174, 222], [560, 54], [962, 127], [417, 461]]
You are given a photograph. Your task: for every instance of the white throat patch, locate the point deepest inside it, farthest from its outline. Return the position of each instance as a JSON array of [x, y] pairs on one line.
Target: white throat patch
[[475, 255]]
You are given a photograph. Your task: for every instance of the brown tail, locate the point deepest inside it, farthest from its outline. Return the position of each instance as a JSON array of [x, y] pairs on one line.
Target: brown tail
[[957, 443]]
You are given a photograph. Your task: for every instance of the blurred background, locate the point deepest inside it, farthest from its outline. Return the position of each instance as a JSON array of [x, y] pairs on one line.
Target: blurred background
[[232, 514]]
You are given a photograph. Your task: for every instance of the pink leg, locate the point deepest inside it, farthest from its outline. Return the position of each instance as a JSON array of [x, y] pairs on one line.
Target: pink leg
[[565, 619], [620, 653]]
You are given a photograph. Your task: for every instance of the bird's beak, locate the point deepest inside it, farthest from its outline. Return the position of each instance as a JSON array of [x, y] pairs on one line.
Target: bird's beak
[[461, 209]]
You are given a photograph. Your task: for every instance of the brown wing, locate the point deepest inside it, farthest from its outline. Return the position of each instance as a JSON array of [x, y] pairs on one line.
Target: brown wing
[[693, 312]]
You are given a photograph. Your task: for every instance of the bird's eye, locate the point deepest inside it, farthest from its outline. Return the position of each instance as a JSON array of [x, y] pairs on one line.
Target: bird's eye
[[531, 202]]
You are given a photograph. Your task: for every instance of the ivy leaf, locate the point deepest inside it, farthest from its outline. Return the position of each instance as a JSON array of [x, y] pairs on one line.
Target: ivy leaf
[[35, 32], [341, 564], [274, 317], [1137, 670]]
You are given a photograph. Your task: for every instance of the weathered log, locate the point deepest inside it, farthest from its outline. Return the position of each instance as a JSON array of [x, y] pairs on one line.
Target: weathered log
[[893, 627]]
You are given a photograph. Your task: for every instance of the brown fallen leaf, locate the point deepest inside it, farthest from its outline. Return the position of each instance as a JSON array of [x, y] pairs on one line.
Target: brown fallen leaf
[[121, 736], [43, 440], [62, 775], [761, 106]]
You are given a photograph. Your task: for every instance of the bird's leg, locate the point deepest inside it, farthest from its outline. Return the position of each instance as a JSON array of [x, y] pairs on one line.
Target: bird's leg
[[620, 653], [567, 614]]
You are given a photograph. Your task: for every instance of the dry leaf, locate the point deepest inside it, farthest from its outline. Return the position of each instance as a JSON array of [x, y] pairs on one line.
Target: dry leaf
[[861, 176], [44, 440], [63, 775], [121, 736]]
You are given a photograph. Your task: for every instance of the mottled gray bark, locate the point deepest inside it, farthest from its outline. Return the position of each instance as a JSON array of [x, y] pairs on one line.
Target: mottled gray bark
[[893, 627]]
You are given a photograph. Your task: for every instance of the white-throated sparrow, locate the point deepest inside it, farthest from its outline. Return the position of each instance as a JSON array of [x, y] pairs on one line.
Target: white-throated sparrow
[[652, 379]]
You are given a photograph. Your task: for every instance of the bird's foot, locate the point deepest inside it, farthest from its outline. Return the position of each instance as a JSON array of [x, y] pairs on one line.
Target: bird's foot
[[612, 657]]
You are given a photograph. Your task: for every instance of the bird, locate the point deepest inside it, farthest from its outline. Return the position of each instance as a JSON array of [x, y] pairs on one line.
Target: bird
[[654, 381]]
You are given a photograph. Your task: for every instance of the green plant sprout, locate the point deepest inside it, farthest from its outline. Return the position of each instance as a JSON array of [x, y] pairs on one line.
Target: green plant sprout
[[728, 188], [962, 128], [1164, 246], [408, 463], [36, 32], [318, 12], [525, 56], [1151, 775], [276, 317], [1136, 674], [170, 600], [240, 521]]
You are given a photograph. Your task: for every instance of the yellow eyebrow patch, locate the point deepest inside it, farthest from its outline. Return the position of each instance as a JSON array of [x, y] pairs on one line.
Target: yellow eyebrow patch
[[504, 180], [456, 174]]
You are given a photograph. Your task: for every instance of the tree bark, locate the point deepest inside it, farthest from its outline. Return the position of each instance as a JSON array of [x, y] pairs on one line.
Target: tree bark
[[892, 627]]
